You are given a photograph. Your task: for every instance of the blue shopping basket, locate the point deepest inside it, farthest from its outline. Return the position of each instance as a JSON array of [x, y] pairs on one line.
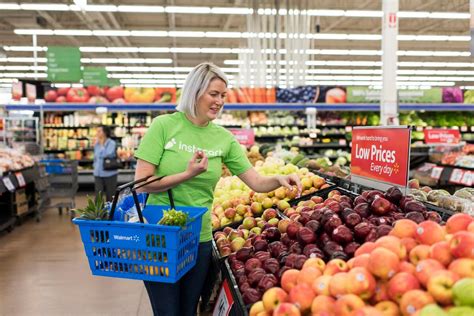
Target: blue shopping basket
[[142, 251]]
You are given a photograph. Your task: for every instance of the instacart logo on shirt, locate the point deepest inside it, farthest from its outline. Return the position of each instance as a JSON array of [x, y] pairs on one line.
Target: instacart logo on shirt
[[192, 148]]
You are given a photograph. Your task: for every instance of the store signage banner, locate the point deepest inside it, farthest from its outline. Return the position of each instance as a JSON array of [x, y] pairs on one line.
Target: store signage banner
[[366, 95], [244, 136], [380, 156], [95, 76], [64, 64], [224, 301], [442, 136]]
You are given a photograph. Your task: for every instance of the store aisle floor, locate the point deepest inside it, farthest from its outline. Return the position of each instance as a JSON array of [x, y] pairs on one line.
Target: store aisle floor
[[44, 271]]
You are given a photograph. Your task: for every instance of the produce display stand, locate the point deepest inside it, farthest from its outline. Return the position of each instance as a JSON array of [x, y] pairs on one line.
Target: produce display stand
[[18, 197]]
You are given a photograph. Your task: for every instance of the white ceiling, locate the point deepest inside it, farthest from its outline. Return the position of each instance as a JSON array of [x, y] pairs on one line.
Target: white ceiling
[[442, 57]]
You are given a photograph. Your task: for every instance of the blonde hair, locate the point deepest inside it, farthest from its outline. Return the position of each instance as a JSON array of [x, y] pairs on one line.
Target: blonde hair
[[196, 84]]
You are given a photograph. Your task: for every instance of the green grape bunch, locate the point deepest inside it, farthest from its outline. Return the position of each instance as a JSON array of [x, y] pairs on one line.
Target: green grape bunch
[[174, 218]]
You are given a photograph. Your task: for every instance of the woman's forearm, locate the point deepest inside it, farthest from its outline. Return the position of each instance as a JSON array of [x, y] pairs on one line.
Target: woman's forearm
[[266, 184], [164, 184]]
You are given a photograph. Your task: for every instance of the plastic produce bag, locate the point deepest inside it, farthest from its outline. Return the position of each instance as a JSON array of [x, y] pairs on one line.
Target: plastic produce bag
[[126, 211]]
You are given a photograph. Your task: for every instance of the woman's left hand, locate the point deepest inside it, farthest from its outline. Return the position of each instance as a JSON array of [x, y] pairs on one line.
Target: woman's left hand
[[289, 180]]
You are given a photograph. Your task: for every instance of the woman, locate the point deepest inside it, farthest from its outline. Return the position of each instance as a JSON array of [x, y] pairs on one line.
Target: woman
[[188, 150], [105, 147]]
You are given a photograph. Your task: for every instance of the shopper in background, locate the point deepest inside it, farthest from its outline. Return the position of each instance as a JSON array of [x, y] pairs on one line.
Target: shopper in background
[[188, 150], [105, 147]]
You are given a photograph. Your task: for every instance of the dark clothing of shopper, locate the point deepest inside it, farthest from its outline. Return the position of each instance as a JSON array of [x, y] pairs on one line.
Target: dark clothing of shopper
[[105, 147]]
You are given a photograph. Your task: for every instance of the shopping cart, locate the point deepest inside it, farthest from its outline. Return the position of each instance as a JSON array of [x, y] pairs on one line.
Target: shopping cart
[[142, 251], [63, 185]]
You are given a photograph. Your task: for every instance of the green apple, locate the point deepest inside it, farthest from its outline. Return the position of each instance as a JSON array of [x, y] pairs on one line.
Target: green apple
[[461, 311], [432, 310], [463, 292]]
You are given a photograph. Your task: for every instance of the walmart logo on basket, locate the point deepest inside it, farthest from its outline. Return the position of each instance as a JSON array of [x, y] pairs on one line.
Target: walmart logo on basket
[[134, 238]]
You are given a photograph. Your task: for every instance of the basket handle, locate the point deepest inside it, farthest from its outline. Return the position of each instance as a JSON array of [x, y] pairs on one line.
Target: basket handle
[[133, 187]]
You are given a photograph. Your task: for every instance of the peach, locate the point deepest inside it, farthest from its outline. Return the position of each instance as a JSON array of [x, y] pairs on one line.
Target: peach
[[441, 252], [350, 263], [273, 297], [463, 267], [361, 283], [289, 279], [381, 292], [367, 311], [458, 222], [420, 252], [256, 308], [321, 285], [401, 283], [302, 295], [426, 268], [335, 266], [388, 308], [365, 248], [409, 243], [404, 228], [361, 261], [308, 275], [393, 244], [407, 267], [286, 309], [413, 301], [316, 263], [462, 245], [440, 286], [470, 227], [348, 304], [383, 263], [323, 304], [429, 232], [337, 284]]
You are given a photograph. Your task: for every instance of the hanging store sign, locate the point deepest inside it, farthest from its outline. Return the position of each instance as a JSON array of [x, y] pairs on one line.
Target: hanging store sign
[[64, 64], [380, 156], [244, 136], [442, 136], [95, 76]]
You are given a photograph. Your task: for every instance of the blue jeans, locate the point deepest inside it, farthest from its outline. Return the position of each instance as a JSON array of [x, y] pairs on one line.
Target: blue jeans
[[181, 298]]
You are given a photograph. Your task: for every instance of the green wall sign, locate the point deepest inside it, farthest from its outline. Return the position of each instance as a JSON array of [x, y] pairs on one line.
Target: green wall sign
[[64, 64], [95, 76]]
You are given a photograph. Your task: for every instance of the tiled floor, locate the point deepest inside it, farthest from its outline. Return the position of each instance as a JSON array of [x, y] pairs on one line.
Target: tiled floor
[[44, 271]]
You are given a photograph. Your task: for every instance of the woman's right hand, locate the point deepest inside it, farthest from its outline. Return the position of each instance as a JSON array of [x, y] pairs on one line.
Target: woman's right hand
[[197, 164]]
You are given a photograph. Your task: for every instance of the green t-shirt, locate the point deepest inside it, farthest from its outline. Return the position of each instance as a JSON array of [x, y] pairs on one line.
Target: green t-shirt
[[170, 143]]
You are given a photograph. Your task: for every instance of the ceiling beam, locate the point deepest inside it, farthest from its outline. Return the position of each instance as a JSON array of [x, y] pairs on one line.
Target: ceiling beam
[[172, 26]]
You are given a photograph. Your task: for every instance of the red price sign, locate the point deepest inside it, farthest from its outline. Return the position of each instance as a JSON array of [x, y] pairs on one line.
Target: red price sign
[[442, 136], [244, 136], [224, 301], [381, 154]]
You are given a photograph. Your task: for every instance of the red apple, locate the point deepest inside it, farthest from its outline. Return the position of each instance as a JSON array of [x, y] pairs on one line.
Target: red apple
[[458, 222], [440, 286], [441, 252], [286, 309], [323, 305], [393, 244], [464, 267], [337, 284], [404, 228], [366, 247], [289, 279], [321, 285], [388, 308], [348, 304], [427, 268], [413, 301], [420, 252], [361, 283], [462, 245], [383, 263], [429, 232], [302, 295], [273, 297], [401, 283], [335, 266]]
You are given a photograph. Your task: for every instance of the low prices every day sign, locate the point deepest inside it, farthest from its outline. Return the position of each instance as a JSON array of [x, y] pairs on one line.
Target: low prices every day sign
[[442, 136], [381, 154]]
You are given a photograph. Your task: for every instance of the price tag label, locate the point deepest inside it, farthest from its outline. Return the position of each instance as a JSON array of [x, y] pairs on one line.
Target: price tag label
[[463, 128], [21, 179], [8, 184], [472, 128], [224, 301], [426, 167], [456, 176], [348, 128], [436, 172], [342, 142], [313, 135], [467, 178], [419, 129]]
